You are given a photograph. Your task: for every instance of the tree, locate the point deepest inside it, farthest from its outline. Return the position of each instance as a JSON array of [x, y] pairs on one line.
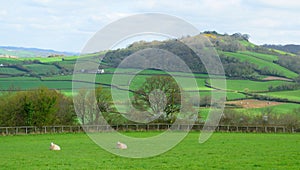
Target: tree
[[90, 104], [160, 96], [297, 79], [37, 107], [104, 104], [80, 102]]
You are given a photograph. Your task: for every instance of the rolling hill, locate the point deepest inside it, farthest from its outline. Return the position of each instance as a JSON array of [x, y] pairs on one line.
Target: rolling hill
[[290, 48], [22, 52], [253, 72]]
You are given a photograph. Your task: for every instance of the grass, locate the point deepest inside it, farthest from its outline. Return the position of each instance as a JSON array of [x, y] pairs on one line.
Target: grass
[[262, 56], [153, 72], [68, 64], [27, 84], [262, 63], [229, 95], [52, 59], [278, 109], [43, 69], [290, 95], [283, 52], [247, 43], [221, 151], [240, 85], [10, 71], [19, 79], [10, 61]]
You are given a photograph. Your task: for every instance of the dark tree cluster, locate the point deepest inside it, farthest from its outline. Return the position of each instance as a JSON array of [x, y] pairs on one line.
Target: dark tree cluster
[[235, 68], [266, 117], [284, 87], [290, 62], [291, 48], [39, 107], [92, 104], [162, 98]]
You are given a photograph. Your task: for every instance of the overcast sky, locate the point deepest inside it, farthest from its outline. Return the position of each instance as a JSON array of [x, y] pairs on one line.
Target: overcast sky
[[66, 25]]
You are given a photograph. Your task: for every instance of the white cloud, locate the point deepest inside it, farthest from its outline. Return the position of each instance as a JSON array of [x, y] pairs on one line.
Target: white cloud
[[33, 22], [3, 13], [291, 4]]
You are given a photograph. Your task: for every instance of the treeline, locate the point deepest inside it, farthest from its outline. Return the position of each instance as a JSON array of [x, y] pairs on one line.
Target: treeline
[[39, 107], [47, 107], [291, 48], [235, 68], [290, 62], [266, 117], [114, 58], [284, 87], [230, 43]]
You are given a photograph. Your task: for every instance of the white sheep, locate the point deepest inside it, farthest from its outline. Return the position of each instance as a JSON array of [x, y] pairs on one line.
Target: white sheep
[[54, 147], [121, 145]]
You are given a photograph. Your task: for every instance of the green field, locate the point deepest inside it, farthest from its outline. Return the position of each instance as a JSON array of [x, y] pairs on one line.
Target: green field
[[31, 84], [6, 61], [229, 95], [262, 63], [10, 71], [221, 151], [247, 43], [43, 69], [241, 85], [290, 95], [278, 109], [51, 59], [262, 56]]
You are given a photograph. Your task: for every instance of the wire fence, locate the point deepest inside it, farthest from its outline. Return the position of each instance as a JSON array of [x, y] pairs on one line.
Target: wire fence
[[144, 127]]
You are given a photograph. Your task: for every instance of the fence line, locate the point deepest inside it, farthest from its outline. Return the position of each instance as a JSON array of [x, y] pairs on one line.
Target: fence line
[[143, 127]]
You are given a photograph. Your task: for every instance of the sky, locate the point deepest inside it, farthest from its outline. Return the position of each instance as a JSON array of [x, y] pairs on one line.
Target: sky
[[67, 25]]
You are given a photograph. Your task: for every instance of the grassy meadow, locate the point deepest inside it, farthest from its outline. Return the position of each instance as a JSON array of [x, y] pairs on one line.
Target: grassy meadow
[[221, 151], [261, 63], [234, 89]]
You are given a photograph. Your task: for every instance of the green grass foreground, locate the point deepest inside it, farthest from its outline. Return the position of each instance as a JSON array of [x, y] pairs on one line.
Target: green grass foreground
[[221, 151]]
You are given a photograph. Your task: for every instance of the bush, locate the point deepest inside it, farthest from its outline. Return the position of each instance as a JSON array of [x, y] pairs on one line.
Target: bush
[[38, 107]]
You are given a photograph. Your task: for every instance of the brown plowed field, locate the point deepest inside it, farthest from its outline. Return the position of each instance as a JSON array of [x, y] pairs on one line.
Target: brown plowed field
[[251, 103]]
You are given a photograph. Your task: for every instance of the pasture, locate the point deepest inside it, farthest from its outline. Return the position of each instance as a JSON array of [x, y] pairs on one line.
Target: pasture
[[262, 63], [221, 151], [276, 109], [252, 86], [262, 56], [292, 95]]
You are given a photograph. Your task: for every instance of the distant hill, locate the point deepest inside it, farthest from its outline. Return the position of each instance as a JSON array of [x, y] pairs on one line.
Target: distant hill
[[22, 52], [291, 48], [241, 59]]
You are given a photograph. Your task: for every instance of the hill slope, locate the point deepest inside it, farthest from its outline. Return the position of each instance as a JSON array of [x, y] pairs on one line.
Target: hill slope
[[30, 52], [290, 48], [252, 72]]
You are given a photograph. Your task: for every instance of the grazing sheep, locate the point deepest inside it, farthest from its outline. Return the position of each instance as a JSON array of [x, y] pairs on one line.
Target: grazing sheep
[[121, 145], [54, 147]]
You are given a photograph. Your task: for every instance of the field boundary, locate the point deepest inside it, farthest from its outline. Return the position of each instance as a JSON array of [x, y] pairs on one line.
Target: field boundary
[[144, 127]]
